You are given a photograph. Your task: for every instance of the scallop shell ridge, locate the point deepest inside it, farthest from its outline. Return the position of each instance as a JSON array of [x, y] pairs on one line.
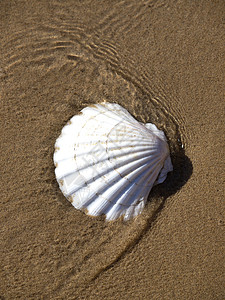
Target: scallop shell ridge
[[107, 162]]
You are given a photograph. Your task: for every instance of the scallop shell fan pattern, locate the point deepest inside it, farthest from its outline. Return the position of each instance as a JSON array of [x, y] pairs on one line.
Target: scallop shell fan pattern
[[107, 162]]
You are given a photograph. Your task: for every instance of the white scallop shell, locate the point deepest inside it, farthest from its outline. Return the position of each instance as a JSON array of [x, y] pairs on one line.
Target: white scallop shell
[[107, 162]]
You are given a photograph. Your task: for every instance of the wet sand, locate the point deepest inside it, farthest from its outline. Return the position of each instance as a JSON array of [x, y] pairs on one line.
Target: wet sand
[[163, 61]]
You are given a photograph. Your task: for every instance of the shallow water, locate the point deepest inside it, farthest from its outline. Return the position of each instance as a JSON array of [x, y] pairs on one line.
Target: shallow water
[[162, 61]]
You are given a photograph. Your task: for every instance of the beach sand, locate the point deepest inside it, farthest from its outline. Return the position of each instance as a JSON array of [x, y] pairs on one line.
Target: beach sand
[[164, 62]]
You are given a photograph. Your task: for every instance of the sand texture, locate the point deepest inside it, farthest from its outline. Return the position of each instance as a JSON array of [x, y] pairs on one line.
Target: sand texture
[[164, 62]]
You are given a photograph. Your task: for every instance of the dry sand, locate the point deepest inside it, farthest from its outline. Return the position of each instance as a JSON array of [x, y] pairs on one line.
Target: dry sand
[[164, 62]]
